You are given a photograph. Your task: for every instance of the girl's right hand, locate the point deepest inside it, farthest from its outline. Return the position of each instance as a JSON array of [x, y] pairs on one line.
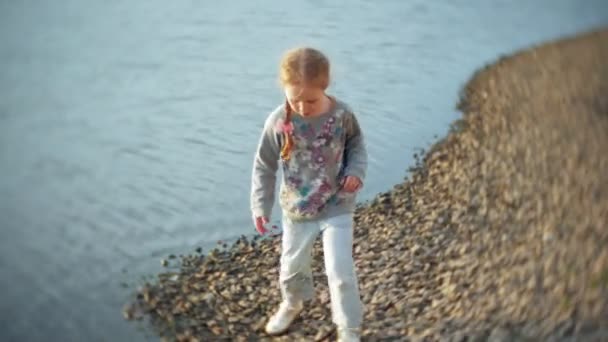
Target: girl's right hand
[[259, 225]]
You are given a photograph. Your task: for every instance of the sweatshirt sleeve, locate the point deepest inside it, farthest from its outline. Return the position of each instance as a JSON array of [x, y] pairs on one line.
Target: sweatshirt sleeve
[[263, 178], [356, 152]]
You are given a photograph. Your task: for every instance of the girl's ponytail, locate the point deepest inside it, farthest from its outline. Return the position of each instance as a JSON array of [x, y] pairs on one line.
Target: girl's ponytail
[[287, 133]]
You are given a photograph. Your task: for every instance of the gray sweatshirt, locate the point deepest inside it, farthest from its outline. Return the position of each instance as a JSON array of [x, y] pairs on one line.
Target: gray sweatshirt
[[326, 148]]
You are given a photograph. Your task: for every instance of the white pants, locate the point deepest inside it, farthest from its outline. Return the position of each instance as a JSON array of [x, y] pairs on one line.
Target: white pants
[[296, 274]]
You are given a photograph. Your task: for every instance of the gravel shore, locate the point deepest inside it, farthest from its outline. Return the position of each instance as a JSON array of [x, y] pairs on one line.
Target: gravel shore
[[500, 233]]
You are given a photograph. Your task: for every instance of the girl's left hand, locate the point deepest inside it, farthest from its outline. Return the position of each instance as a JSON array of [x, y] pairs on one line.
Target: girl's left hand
[[351, 184]]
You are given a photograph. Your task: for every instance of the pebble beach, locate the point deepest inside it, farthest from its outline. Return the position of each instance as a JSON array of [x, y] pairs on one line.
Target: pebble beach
[[500, 233]]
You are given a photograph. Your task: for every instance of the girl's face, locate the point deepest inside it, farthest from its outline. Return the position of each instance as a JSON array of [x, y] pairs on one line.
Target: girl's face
[[306, 100]]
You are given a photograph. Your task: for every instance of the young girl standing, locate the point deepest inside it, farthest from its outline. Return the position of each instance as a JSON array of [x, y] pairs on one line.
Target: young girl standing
[[318, 143]]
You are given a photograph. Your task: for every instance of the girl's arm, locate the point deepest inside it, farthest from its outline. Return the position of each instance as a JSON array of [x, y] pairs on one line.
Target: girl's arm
[[356, 153], [263, 178]]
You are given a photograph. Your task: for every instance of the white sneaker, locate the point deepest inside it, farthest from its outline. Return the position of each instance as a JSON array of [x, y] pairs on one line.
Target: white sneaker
[[282, 319], [348, 335]]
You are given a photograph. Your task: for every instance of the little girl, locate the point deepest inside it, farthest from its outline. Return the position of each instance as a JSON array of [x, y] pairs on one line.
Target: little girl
[[318, 143]]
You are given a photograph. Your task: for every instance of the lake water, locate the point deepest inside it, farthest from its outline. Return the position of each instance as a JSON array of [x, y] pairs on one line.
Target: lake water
[[127, 128]]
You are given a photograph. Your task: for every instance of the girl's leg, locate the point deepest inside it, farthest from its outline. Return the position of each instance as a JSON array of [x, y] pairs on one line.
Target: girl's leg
[[347, 309], [295, 275]]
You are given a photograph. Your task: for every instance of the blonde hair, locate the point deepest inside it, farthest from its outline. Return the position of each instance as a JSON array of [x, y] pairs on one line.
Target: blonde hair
[[304, 65], [301, 66]]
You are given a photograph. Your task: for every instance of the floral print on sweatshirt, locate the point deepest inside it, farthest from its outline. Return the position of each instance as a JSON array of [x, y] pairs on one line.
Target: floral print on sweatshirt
[[318, 151], [325, 149]]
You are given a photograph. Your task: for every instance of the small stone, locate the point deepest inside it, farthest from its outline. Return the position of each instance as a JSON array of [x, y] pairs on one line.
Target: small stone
[[216, 330], [209, 297], [458, 336], [499, 334], [259, 326], [416, 248], [323, 333]]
